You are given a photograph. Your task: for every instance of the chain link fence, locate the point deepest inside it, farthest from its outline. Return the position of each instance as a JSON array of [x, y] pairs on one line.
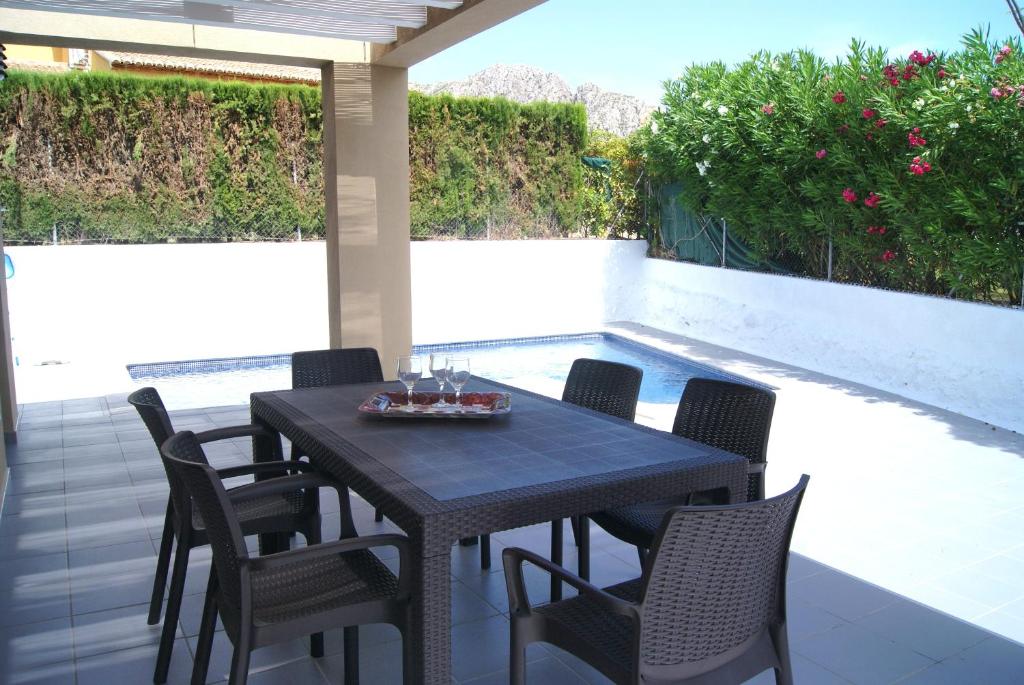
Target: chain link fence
[[707, 241]]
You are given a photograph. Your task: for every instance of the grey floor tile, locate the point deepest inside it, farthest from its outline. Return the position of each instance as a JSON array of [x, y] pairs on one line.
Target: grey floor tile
[[34, 589], [33, 543], [993, 662], [804, 671], [482, 647], [547, 671], [841, 594], [801, 567], [304, 671], [77, 453], [61, 673], [43, 476], [842, 651], [378, 663], [29, 456], [126, 568], [38, 439], [928, 632], [114, 630], [27, 647], [469, 606], [805, 620], [263, 658], [134, 665]]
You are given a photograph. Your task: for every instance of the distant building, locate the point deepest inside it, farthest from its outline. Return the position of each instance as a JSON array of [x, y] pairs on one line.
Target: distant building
[[57, 60]]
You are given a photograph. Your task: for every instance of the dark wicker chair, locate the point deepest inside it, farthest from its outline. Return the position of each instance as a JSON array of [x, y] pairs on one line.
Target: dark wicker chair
[[730, 416], [607, 387], [283, 596], [710, 606], [284, 504], [318, 368]]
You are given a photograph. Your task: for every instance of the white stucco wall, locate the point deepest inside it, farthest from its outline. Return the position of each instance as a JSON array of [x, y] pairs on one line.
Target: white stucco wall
[[113, 305], [968, 358]]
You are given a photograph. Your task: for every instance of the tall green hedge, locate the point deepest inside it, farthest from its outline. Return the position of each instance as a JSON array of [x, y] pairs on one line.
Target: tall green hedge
[[118, 158]]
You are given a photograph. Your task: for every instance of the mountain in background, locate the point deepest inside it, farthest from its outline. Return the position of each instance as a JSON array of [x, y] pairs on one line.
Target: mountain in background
[[614, 112]]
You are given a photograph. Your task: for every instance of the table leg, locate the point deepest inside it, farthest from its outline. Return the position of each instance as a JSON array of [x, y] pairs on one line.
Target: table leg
[[431, 616], [557, 540], [268, 448]]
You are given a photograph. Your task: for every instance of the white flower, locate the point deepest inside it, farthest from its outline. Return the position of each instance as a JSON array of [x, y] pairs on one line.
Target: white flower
[[952, 82], [943, 89], [654, 127], [706, 138], [775, 64], [702, 167], [723, 110], [919, 104], [953, 125], [969, 108], [708, 105]]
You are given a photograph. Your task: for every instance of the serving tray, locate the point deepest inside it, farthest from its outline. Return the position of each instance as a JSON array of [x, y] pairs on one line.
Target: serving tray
[[475, 405]]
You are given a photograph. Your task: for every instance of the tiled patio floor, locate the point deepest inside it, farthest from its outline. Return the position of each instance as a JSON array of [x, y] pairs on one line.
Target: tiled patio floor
[[82, 519]]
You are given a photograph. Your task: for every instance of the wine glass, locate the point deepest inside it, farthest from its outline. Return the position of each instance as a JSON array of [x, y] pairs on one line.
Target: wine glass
[[410, 370], [458, 375], [439, 370]]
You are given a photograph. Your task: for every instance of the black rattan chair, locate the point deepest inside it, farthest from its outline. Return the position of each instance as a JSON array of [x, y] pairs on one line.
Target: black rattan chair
[[607, 387], [283, 596], [710, 606], [729, 416], [284, 504], [319, 368]]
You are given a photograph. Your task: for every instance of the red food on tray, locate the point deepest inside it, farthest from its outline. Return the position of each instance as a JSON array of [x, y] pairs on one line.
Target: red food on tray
[[428, 405]]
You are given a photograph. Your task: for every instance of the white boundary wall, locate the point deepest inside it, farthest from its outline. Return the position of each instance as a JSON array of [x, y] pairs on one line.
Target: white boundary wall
[[965, 357], [124, 304]]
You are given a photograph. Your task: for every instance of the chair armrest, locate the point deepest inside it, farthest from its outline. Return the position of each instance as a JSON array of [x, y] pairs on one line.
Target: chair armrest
[[513, 558], [250, 429], [279, 486], [400, 542], [265, 467]]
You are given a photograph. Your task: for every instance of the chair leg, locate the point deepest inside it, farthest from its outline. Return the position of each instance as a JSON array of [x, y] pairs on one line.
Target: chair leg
[[784, 673], [642, 554], [574, 521], [163, 657], [348, 526], [485, 552], [204, 643], [316, 640], [517, 657], [240, 662], [163, 562], [378, 515], [583, 542], [556, 557], [351, 635], [407, 657]]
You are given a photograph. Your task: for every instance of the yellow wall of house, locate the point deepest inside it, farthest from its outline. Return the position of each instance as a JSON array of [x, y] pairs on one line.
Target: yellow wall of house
[[36, 53], [98, 62]]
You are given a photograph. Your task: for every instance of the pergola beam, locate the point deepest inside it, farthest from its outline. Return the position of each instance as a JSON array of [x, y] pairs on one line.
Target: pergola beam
[[386, 13], [447, 27]]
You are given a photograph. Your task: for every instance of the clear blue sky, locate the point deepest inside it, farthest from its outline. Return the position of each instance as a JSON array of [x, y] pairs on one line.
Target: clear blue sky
[[631, 46]]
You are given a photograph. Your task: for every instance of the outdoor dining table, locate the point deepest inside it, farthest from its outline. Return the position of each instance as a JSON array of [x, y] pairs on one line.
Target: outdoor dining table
[[442, 480]]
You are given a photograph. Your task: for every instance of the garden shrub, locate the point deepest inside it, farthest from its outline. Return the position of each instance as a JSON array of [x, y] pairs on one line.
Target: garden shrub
[[913, 167]]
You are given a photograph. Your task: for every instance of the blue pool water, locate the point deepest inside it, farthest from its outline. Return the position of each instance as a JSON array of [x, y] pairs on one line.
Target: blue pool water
[[538, 364]]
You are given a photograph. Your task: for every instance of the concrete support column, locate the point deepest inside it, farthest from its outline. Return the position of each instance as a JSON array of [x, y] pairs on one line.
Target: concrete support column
[[366, 184]]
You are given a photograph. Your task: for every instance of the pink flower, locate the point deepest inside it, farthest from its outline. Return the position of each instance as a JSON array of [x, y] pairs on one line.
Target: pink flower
[[843, 129], [869, 136], [868, 113], [839, 98], [872, 200], [941, 73], [1000, 57], [880, 123], [888, 256], [880, 230], [768, 109], [916, 140], [849, 195], [821, 154], [996, 93], [917, 58], [1005, 50], [918, 167]]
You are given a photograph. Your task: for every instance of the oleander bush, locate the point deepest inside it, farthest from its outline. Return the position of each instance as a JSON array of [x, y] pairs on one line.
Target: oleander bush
[[912, 166]]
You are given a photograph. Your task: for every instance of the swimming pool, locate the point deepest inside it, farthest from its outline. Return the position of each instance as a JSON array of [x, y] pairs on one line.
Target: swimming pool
[[538, 364]]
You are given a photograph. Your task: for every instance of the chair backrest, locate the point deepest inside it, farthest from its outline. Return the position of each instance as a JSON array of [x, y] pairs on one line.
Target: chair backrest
[[608, 387], [729, 416], [715, 579], [183, 454], [317, 368], [151, 408]]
